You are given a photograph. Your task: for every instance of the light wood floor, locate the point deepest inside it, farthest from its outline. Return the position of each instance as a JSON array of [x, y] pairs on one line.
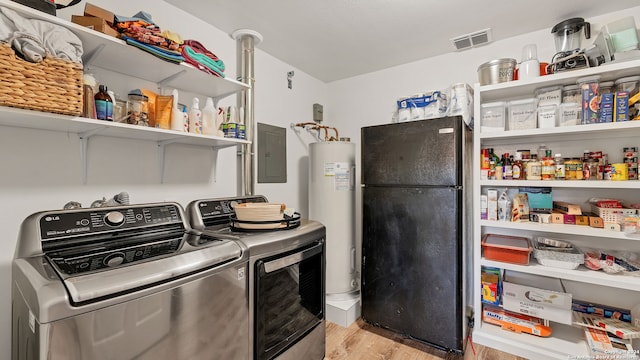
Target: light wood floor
[[361, 341]]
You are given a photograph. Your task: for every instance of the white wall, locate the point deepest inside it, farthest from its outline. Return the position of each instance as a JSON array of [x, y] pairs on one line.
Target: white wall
[[41, 170], [369, 99]]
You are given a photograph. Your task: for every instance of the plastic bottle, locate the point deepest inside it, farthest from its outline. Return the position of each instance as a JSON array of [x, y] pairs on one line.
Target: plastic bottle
[[517, 167], [493, 161], [209, 118], [104, 104], [177, 117], [507, 167], [195, 117], [548, 170], [559, 164]]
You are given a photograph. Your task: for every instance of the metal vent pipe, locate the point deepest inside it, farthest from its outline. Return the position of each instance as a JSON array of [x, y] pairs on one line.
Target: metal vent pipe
[[245, 44]]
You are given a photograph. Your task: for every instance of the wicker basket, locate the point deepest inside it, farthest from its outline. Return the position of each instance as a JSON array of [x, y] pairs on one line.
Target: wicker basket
[[53, 85]]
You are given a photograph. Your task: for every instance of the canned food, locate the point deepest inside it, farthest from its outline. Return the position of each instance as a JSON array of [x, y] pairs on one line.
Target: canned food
[[526, 154], [606, 175], [619, 172]]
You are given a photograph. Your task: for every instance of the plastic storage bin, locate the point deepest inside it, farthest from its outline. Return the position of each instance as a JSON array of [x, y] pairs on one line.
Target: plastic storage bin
[[569, 114], [510, 249], [522, 114], [589, 88], [493, 116], [547, 116], [549, 96]]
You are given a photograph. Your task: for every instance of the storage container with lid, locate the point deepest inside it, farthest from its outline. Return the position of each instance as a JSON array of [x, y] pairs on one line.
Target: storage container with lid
[[569, 114], [549, 96], [504, 248], [493, 116], [522, 114], [630, 84], [496, 71], [571, 94], [547, 116], [605, 87], [590, 106]]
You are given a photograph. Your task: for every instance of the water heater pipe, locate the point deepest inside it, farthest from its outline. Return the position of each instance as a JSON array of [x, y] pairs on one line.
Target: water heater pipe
[[245, 44]]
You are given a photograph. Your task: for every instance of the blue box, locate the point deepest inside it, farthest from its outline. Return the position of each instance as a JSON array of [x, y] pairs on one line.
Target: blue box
[[621, 107], [606, 108], [540, 199]]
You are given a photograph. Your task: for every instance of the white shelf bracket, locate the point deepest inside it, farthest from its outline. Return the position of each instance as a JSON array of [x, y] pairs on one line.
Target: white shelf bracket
[[162, 83], [84, 144], [161, 154], [88, 58]]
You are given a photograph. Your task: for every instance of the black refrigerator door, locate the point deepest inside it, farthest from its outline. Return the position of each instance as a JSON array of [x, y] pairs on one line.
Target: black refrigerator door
[[411, 265], [425, 152]]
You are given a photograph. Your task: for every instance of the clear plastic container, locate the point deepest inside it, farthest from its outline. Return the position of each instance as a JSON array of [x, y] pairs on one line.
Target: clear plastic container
[[549, 96], [569, 114], [623, 34], [547, 116], [590, 106], [605, 87], [493, 116], [630, 84], [571, 94], [522, 114]]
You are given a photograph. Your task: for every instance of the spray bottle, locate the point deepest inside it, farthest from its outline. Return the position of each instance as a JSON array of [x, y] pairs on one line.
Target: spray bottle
[[195, 117]]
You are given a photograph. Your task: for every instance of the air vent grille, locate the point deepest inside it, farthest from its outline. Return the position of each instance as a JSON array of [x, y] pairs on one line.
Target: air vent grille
[[472, 40]]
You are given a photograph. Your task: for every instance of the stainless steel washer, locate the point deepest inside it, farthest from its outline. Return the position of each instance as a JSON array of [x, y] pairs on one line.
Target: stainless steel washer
[[129, 282], [286, 279]]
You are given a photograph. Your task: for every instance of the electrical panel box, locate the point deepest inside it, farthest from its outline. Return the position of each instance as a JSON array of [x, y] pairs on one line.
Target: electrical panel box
[[272, 154], [317, 113]]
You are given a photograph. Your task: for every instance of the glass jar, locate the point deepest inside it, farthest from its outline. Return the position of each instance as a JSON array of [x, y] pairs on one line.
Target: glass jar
[[573, 169], [534, 168], [559, 167], [590, 169], [138, 109]]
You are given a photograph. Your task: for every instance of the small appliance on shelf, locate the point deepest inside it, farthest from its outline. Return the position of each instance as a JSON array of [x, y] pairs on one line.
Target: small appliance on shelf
[[568, 39]]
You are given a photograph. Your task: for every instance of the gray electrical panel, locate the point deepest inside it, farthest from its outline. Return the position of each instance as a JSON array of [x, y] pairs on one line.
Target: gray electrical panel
[[317, 113], [272, 154]]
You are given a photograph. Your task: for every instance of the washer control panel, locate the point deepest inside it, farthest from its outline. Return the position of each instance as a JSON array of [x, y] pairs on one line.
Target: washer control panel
[[55, 225]]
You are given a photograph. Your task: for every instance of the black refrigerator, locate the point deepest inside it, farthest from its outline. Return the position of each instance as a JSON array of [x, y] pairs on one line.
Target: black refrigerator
[[415, 185]]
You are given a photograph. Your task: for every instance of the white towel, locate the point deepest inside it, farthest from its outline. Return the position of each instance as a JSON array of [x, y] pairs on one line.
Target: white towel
[[35, 38]]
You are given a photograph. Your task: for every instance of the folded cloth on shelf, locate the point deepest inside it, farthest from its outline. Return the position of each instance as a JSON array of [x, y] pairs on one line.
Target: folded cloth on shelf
[[164, 54], [197, 55], [34, 39]]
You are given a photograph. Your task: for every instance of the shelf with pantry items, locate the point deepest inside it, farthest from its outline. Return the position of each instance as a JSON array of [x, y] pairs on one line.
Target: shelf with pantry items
[[596, 145]]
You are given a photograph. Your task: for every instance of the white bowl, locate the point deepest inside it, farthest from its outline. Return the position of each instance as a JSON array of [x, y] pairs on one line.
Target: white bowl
[[259, 211]]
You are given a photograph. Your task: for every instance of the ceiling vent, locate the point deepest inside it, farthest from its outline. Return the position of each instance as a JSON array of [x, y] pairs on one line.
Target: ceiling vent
[[472, 40]]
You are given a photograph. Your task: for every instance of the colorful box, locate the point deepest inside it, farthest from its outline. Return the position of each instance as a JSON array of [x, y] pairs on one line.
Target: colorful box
[[621, 106]]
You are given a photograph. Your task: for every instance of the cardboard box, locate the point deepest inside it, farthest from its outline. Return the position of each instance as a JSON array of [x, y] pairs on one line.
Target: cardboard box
[[537, 296], [539, 198], [596, 221], [94, 23], [566, 208], [582, 220], [559, 218], [95, 11]]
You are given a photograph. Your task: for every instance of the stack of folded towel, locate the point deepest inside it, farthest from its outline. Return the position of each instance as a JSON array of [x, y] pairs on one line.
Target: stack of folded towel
[[141, 32]]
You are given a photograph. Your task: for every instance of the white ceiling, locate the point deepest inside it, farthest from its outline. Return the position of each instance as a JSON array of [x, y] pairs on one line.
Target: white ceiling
[[336, 39]]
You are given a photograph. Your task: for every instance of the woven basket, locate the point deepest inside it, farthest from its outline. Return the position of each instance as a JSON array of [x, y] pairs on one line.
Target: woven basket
[[53, 85]]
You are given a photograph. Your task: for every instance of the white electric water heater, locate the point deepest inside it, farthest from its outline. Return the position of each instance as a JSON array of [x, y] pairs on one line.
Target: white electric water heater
[[332, 202]]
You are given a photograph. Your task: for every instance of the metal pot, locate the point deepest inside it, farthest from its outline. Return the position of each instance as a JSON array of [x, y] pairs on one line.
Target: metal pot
[[496, 71]]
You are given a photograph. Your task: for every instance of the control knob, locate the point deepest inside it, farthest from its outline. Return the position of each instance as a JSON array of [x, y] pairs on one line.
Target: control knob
[[114, 218], [114, 259]]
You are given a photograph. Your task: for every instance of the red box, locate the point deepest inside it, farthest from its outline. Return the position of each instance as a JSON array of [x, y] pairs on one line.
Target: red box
[[509, 249]]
